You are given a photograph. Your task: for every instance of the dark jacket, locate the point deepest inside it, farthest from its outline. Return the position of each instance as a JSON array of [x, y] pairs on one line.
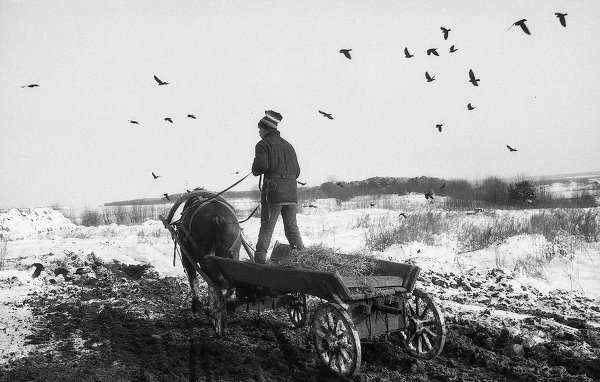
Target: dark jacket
[[275, 158]]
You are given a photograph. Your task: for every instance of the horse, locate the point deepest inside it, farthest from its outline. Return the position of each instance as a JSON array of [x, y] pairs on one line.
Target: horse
[[208, 225]]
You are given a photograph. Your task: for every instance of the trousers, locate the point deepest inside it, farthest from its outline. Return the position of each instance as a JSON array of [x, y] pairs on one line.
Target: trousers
[[269, 214]]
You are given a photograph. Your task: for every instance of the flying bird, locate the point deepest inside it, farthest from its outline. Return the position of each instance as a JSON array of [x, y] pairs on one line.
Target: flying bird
[[166, 196], [326, 114], [30, 86], [340, 184], [312, 206], [472, 79], [432, 51], [134, 122], [561, 17], [402, 214], [301, 183], [236, 172], [407, 53], [372, 204], [439, 127], [168, 119], [511, 149], [429, 195], [471, 107], [445, 31], [521, 23], [38, 269], [346, 52], [155, 176], [453, 49], [192, 116], [429, 78], [160, 82], [443, 186]]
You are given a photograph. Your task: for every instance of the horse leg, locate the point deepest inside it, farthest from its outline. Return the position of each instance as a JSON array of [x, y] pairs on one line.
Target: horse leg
[[194, 284]]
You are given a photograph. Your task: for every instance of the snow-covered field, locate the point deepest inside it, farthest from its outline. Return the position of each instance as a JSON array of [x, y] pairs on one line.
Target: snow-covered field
[[45, 236]]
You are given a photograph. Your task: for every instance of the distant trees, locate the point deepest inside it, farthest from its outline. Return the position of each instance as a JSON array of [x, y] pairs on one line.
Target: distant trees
[[523, 192]]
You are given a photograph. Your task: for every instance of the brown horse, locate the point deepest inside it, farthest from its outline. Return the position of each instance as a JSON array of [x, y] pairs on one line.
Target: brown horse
[[208, 225]]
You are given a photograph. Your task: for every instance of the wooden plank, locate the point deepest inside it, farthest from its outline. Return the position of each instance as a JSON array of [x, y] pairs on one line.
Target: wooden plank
[[372, 281], [408, 272], [326, 285]]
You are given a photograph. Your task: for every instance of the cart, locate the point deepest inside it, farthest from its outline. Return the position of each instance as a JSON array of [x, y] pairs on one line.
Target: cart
[[351, 308]]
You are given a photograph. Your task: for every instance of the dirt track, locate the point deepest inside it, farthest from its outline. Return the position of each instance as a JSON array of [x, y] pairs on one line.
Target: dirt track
[[129, 325]]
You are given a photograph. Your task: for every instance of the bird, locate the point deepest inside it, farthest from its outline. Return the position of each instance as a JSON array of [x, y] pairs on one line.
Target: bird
[[432, 51], [192, 116], [453, 49], [160, 82], [155, 176], [407, 53], [429, 195], [312, 206], [30, 86], [472, 79], [521, 23], [166, 196], [402, 214], [471, 107], [511, 149], [168, 119], [346, 52], [429, 78], [134, 122], [439, 127], [561, 17], [443, 186], [301, 183], [236, 172], [340, 184], [38, 269], [372, 204], [445, 31], [326, 114]]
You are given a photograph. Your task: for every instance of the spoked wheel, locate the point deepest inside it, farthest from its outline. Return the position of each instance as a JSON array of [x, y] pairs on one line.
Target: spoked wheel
[[426, 333], [217, 310], [297, 310], [336, 340]]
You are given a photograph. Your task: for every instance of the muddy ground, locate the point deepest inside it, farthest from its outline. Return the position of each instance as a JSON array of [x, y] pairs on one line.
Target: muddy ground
[[125, 323]]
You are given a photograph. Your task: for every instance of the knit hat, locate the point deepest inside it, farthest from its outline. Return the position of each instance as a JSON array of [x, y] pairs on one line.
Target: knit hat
[[270, 120]]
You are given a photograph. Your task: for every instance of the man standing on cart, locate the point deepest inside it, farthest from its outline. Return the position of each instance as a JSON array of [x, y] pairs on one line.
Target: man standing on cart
[[275, 159]]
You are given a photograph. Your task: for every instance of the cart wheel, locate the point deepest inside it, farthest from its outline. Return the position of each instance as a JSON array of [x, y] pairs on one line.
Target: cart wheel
[[336, 339], [297, 310], [217, 311], [426, 333]]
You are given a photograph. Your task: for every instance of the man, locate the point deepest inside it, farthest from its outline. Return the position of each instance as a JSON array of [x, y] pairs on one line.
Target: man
[[276, 160]]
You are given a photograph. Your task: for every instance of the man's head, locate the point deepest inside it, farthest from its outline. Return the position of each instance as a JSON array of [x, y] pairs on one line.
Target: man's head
[[269, 122]]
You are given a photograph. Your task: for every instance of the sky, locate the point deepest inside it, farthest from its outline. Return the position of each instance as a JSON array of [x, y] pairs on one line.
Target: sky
[[69, 140]]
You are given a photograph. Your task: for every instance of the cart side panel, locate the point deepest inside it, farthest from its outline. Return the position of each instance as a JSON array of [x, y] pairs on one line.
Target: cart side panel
[[408, 272], [326, 285]]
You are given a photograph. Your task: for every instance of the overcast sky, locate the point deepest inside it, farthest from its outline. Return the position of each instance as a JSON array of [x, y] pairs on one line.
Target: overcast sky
[[69, 141]]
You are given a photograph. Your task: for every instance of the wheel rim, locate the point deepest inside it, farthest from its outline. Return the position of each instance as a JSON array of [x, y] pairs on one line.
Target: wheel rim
[[216, 305], [426, 333], [297, 310], [336, 340]]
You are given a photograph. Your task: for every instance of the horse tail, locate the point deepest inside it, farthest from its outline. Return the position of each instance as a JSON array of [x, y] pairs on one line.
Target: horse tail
[[219, 228]]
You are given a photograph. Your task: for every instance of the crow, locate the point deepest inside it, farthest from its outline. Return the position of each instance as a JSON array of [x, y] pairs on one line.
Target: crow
[[471, 107], [301, 183], [561, 17], [38, 269], [453, 49], [521, 23], [472, 79], [192, 116], [346, 52], [432, 51], [160, 82], [30, 86], [236, 172], [402, 214], [443, 186], [166, 196], [429, 195], [445, 31], [429, 78], [326, 114], [168, 119], [340, 184], [372, 204], [439, 127], [312, 206], [511, 149], [155, 176], [134, 122], [407, 53]]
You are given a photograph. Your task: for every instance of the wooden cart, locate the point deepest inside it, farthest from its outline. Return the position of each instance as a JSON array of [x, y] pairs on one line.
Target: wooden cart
[[351, 308]]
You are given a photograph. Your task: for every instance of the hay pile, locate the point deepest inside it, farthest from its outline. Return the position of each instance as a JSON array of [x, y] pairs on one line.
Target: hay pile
[[320, 258]]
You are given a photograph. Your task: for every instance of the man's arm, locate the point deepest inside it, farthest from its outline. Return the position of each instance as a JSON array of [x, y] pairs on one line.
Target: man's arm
[[261, 160]]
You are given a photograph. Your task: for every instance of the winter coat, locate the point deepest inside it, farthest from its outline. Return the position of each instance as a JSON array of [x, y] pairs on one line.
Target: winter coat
[[275, 158]]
